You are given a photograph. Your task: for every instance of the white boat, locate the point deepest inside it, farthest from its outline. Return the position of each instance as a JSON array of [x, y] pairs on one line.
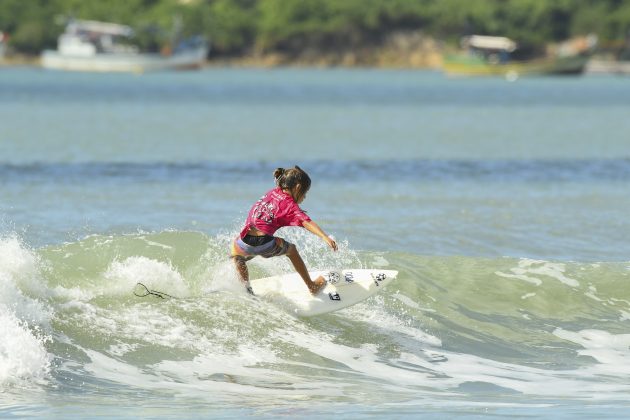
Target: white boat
[[96, 46], [603, 66], [3, 39]]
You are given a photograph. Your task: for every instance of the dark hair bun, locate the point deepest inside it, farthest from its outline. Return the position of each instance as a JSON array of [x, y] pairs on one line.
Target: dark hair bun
[[278, 173]]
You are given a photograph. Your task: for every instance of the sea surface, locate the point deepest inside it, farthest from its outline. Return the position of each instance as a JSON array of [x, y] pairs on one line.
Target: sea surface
[[503, 205]]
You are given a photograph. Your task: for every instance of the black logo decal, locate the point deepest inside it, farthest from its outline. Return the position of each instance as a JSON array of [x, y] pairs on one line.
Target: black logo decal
[[334, 296], [379, 277], [349, 277]]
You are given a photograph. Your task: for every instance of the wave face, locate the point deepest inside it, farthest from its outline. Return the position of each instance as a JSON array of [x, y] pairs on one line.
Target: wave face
[[500, 331]]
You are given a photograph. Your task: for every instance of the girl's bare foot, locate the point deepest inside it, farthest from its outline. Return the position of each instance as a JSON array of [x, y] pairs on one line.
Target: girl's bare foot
[[317, 285]]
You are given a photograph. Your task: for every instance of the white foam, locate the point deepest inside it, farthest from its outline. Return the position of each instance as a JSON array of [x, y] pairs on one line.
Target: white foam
[[23, 357], [220, 367], [407, 301], [19, 267], [592, 290], [612, 351], [222, 276], [229, 375], [518, 273], [142, 322], [379, 261], [315, 253], [373, 311], [120, 349], [121, 277], [73, 293], [362, 360], [528, 270], [154, 243]]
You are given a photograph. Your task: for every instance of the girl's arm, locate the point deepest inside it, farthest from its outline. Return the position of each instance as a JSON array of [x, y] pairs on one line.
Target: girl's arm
[[314, 228]]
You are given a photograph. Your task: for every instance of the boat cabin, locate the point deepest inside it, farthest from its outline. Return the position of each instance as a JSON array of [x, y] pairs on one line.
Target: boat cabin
[[87, 38], [493, 49]]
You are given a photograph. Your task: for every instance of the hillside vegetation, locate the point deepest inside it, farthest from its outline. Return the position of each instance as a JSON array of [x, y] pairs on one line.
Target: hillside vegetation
[[293, 27]]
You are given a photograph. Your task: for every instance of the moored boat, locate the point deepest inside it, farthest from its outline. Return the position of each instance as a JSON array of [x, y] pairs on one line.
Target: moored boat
[[3, 48], [101, 47], [493, 56]]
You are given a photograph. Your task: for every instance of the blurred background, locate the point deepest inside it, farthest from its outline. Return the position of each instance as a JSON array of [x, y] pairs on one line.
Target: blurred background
[[394, 33], [437, 100]]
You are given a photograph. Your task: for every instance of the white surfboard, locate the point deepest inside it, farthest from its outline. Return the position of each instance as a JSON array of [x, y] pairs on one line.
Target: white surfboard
[[343, 288]]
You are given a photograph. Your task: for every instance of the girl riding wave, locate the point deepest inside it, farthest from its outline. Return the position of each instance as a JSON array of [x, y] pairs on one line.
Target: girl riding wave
[[279, 207]]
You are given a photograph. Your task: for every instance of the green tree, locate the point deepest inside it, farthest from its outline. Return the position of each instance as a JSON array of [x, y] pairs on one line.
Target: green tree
[[237, 26], [231, 25]]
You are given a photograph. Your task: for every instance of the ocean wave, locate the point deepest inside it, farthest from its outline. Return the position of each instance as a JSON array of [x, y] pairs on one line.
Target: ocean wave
[[502, 170], [447, 327]]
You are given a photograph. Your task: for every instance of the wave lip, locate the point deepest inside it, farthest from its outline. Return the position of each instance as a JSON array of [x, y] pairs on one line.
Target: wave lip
[[23, 320]]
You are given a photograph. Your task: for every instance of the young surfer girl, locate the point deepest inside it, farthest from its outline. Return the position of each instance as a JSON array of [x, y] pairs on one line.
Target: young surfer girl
[[279, 207]]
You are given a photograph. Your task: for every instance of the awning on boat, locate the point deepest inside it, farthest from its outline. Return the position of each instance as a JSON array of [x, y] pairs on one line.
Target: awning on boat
[[489, 42], [104, 28]]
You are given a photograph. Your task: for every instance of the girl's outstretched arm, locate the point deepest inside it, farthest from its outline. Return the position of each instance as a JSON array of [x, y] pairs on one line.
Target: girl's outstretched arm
[[314, 228]]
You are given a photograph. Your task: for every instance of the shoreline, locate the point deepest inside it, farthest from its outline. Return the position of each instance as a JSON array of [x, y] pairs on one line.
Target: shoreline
[[363, 59], [270, 61], [400, 50]]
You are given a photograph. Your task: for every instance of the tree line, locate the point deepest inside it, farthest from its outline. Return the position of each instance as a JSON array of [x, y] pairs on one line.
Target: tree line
[[238, 27]]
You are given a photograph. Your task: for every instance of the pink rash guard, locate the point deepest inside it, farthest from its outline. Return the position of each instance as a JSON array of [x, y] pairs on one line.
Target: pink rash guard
[[274, 210]]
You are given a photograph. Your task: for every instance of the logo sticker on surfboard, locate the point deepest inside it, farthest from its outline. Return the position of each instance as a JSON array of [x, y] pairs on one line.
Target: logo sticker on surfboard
[[378, 278], [349, 277], [333, 277]]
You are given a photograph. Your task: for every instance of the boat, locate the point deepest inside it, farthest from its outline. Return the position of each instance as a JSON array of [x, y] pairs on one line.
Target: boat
[[3, 43], [94, 46], [608, 66], [493, 56]]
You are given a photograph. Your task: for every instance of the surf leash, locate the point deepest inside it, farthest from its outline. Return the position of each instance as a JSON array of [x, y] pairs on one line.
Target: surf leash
[[145, 291]]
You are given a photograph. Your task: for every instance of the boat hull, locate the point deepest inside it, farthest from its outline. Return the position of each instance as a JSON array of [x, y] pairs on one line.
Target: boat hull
[[129, 63], [456, 65]]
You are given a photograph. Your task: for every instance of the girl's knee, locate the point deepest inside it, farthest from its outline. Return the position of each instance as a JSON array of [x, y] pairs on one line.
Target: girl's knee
[[239, 261], [292, 250]]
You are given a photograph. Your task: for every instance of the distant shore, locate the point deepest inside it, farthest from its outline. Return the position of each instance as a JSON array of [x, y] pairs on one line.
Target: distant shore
[[428, 56], [19, 60], [409, 49], [349, 60], [399, 50]]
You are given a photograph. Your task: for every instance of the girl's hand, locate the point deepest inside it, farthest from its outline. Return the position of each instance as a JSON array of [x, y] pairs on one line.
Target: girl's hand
[[312, 227], [331, 243]]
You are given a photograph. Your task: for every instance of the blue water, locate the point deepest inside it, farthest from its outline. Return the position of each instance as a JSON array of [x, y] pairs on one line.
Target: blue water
[[503, 206]]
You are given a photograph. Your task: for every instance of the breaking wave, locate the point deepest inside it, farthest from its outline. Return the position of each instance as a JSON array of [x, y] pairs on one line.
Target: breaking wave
[[447, 328]]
